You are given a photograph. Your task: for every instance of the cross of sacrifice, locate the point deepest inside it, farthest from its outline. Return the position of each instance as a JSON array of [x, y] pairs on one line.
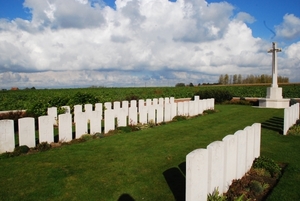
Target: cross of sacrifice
[[274, 51]]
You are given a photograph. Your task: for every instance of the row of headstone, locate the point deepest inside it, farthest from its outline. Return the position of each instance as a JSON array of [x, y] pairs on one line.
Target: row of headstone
[[221, 162], [291, 115], [156, 111]]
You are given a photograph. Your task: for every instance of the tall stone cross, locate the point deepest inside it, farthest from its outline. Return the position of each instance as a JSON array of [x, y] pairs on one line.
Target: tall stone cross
[[274, 51]]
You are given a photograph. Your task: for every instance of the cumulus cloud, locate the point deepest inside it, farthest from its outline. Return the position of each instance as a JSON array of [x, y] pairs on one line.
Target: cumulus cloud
[[84, 42], [245, 17], [289, 28]]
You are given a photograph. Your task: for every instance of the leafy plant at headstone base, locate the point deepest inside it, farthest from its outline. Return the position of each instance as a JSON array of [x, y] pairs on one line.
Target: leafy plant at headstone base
[[86, 137], [268, 164], [294, 130], [179, 118], [21, 150], [216, 196], [219, 95], [43, 146]]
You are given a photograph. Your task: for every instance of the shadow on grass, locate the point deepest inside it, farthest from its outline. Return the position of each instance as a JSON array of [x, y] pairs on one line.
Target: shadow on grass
[[125, 197], [175, 178], [274, 123]]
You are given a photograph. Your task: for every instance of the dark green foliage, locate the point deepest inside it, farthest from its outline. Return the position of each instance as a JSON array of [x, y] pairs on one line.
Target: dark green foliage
[[86, 137], [256, 187], [38, 109], [209, 111], [179, 118], [58, 101], [43, 146], [268, 164], [131, 97], [216, 196], [21, 150], [180, 85], [128, 129], [83, 98], [219, 95], [293, 101]]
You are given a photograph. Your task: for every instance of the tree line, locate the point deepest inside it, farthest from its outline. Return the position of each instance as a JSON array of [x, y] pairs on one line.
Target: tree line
[[249, 79]]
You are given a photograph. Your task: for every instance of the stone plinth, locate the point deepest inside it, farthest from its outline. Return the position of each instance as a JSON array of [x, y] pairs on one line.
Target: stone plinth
[[274, 99], [274, 103]]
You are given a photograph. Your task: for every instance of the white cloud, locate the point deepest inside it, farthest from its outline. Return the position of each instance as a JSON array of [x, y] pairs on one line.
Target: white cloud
[[245, 17], [289, 28], [153, 40]]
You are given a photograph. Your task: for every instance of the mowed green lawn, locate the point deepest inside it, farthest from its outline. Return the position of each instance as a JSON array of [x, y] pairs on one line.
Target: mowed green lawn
[[134, 163]]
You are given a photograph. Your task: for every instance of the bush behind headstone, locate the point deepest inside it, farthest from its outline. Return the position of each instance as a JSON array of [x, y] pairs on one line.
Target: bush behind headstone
[[219, 95]]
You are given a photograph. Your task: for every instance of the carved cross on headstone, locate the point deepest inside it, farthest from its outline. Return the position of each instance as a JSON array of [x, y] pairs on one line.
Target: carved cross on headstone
[[274, 51]]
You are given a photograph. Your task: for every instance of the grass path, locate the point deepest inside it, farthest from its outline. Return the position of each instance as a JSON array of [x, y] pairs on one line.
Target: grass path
[[134, 163]]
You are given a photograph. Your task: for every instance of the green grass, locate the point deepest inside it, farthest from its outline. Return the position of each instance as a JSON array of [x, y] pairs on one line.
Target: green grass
[[134, 163]]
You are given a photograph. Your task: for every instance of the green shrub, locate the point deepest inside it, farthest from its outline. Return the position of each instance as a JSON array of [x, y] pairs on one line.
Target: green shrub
[[294, 130], [86, 137], [216, 196], [179, 118], [268, 164], [293, 101], [256, 187], [209, 111], [219, 95], [43, 146], [21, 150]]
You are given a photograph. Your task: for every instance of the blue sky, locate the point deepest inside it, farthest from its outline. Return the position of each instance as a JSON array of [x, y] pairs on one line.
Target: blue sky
[[130, 43]]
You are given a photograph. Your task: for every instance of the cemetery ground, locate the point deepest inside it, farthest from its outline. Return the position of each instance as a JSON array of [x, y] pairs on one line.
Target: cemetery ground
[[137, 165]]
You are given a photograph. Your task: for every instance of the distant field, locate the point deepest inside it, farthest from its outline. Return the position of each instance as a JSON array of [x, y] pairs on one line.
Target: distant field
[[24, 99]]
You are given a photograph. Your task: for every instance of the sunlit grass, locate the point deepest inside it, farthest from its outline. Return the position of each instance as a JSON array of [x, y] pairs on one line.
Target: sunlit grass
[[133, 163]]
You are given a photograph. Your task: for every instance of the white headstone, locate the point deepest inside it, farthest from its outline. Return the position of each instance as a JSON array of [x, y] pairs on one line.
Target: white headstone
[[143, 111], [7, 136], [133, 103], [241, 153], [180, 109], [167, 114], [161, 101], [81, 124], [250, 146], [159, 113], [65, 127], [230, 149], [52, 112], [167, 100], [196, 175], [173, 110], [109, 121], [172, 100], [148, 102], [99, 108], [191, 108], [132, 117], [27, 132], [186, 108], [151, 113], [95, 122], [257, 139], [122, 117], [107, 106], [46, 129], [215, 166]]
